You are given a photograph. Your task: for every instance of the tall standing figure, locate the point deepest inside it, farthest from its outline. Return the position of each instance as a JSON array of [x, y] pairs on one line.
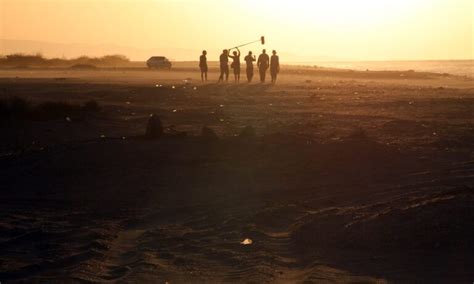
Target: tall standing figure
[[274, 66], [224, 64], [262, 63], [236, 64], [203, 65], [249, 59]]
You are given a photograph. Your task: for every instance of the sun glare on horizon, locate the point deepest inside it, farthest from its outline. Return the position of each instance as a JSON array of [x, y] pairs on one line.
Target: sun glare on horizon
[[301, 30], [336, 12], [372, 28]]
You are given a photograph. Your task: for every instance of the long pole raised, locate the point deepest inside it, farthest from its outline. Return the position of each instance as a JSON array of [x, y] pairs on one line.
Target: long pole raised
[[262, 40]]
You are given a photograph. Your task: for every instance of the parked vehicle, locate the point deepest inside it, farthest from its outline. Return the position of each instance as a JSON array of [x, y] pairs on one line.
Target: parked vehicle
[[158, 62]]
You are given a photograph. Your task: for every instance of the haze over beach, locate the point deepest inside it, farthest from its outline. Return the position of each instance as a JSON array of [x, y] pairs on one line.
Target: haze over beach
[[142, 142], [305, 30]]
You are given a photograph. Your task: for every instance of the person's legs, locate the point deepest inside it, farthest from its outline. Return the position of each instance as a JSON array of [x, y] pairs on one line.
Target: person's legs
[[226, 70], [263, 74], [221, 77], [205, 74]]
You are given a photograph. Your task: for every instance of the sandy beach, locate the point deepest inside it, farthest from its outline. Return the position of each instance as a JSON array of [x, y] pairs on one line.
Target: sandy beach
[[340, 177]]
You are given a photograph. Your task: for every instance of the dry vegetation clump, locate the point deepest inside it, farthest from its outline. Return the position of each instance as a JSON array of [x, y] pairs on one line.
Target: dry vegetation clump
[[20, 60]]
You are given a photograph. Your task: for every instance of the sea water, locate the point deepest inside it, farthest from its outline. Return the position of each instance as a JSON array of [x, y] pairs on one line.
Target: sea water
[[453, 67]]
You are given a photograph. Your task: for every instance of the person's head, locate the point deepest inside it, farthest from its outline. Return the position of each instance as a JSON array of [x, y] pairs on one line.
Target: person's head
[[250, 52], [274, 52], [264, 51], [235, 53], [225, 51], [204, 52]]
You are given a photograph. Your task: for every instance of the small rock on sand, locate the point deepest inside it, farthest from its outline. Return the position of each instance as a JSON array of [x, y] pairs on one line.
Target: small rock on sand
[[154, 128]]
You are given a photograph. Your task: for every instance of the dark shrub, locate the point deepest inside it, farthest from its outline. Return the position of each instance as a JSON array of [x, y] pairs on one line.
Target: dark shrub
[[20, 60], [19, 105], [358, 133], [14, 107], [4, 111], [91, 106]]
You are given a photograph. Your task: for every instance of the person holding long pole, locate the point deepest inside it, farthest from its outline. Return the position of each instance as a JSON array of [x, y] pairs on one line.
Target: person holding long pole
[[261, 40], [224, 60], [236, 64]]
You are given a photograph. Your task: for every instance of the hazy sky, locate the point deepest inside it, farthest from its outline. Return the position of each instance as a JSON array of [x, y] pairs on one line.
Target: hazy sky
[[298, 29]]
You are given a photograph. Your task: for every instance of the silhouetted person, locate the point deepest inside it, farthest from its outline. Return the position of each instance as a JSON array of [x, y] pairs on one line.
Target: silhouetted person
[[236, 64], [224, 64], [203, 65], [262, 63], [249, 59], [274, 66]]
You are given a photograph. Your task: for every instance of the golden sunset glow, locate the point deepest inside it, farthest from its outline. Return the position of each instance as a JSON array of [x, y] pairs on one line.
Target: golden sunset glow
[[216, 141], [300, 30]]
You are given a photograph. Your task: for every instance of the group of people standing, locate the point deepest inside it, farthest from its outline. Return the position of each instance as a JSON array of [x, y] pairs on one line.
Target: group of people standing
[[263, 63]]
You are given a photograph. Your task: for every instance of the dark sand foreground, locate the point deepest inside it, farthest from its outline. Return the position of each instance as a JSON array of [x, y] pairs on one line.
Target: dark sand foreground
[[352, 177]]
